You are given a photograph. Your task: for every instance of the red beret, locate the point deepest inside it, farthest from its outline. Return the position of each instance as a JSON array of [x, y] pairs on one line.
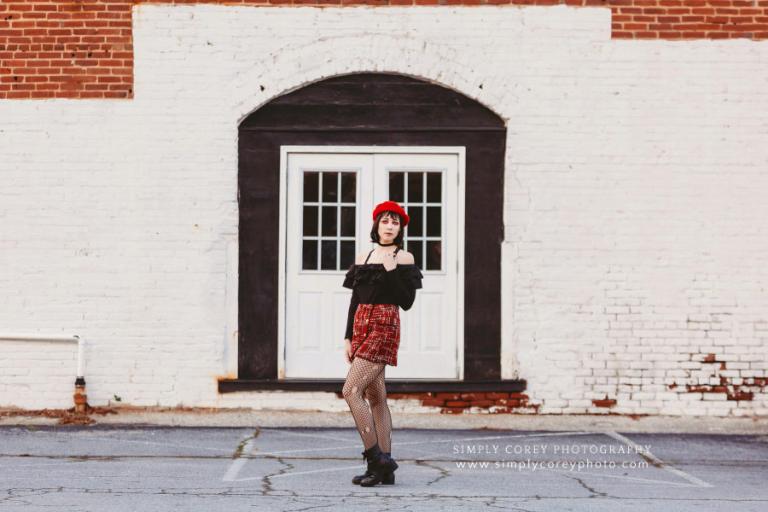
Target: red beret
[[391, 206]]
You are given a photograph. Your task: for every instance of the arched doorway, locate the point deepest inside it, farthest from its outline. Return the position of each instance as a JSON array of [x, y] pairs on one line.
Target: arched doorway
[[365, 110]]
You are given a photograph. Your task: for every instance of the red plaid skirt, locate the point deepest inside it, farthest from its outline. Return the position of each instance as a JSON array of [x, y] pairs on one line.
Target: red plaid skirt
[[376, 333]]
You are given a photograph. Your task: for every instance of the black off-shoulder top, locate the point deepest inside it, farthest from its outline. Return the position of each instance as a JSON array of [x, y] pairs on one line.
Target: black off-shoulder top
[[371, 283]]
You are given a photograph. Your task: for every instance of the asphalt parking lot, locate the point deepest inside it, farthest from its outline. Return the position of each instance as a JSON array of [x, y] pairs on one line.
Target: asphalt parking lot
[[129, 468]]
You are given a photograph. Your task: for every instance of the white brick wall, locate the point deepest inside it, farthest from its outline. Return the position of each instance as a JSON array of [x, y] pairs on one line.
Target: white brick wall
[[635, 216]]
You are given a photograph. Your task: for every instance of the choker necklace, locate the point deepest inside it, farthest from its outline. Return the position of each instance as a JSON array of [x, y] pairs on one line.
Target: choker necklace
[[385, 245]]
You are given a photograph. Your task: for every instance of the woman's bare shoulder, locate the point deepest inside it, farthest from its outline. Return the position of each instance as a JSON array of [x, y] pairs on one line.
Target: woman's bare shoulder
[[405, 258], [360, 258]]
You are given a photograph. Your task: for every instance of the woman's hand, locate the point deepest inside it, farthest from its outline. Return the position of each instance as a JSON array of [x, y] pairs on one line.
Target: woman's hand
[[348, 349], [390, 261]]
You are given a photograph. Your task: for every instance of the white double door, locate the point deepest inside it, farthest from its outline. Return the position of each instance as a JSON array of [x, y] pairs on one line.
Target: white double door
[[326, 208]]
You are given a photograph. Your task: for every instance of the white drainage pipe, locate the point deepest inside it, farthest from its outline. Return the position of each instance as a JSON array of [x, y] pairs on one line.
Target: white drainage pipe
[[80, 397]]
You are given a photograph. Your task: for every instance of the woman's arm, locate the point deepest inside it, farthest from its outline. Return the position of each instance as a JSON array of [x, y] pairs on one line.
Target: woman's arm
[[353, 302]]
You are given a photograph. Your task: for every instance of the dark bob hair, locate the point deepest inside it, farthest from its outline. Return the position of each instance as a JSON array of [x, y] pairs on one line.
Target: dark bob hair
[[375, 228]]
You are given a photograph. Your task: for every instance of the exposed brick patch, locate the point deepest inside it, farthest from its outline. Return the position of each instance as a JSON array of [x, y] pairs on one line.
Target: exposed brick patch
[[738, 389], [477, 401], [604, 402], [705, 388], [84, 49], [740, 395]]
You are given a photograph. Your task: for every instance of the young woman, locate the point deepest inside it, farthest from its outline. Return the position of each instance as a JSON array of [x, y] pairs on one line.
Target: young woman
[[382, 280]]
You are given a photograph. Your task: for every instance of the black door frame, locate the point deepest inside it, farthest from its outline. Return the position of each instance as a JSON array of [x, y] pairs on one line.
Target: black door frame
[[369, 109]]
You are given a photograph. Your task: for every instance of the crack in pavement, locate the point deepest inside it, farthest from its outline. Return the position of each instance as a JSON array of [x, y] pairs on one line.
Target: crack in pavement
[[266, 482], [493, 503], [314, 507], [240, 447], [443, 473], [15, 496], [593, 492]]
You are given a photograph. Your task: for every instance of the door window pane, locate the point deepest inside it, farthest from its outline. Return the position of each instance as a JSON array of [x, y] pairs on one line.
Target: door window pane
[[348, 187], [397, 186], [416, 222], [329, 221], [328, 255], [309, 254], [311, 186], [434, 188], [347, 253], [330, 186], [348, 221], [433, 221], [310, 221], [415, 187], [434, 254]]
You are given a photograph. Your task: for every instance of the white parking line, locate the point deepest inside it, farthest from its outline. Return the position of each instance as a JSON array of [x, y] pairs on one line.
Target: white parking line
[[651, 457], [238, 463], [306, 450], [301, 434]]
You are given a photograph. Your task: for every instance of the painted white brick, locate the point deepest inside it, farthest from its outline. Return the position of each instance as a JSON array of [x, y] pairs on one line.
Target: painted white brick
[[625, 206], [715, 397]]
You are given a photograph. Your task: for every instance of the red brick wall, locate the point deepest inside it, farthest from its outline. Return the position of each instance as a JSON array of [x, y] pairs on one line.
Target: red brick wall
[[84, 48]]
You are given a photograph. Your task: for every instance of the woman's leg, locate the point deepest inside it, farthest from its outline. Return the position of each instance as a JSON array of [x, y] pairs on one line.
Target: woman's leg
[[361, 374], [377, 397]]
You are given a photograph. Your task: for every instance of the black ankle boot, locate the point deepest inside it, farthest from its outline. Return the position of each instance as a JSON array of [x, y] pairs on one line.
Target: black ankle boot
[[389, 478], [381, 465], [368, 472]]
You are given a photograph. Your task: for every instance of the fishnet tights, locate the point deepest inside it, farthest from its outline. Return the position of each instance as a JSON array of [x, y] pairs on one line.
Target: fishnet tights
[[366, 378]]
